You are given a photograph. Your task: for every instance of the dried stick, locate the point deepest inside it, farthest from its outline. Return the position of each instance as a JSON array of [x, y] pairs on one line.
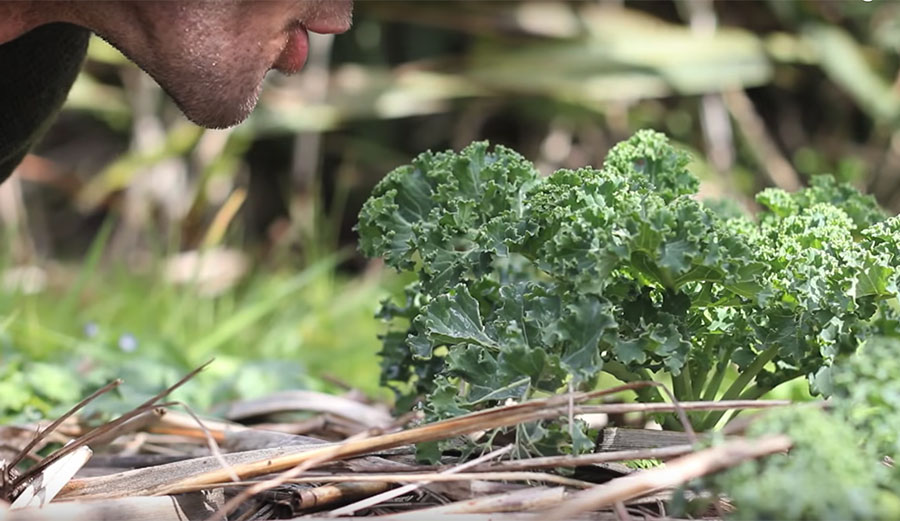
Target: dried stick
[[438, 477], [100, 431], [56, 423], [674, 473], [717, 405], [415, 477], [325, 495], [679, 410], [529, 499], [482, 420], [548, 462], [32, 455], [319, 456], [211, 443], [160, 508], [391, 494], [138, 423], [621, 512]]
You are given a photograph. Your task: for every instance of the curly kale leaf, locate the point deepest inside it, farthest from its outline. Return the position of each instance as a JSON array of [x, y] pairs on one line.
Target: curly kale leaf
[[442, 210], [863, 210], [650, 164], [592, 223]]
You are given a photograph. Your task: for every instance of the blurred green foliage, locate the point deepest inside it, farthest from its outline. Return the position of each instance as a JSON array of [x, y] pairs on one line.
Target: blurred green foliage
[[826, 476], [840, 466], [276, 330], [762, 93]]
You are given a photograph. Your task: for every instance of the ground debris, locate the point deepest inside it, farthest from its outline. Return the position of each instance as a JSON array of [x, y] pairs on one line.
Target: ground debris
[[159, 463]]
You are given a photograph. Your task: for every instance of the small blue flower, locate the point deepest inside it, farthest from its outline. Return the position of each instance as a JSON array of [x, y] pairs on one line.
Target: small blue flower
[[91, 329], [128, 343]]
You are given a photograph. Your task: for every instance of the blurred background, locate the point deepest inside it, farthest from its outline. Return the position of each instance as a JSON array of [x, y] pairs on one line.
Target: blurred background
[[138, 245]]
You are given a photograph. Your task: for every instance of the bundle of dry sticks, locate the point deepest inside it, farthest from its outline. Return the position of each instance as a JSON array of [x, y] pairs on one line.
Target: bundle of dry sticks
[[350, 458]]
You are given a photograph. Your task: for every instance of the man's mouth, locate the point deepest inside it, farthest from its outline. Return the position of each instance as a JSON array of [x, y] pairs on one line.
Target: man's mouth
[[296, 49]]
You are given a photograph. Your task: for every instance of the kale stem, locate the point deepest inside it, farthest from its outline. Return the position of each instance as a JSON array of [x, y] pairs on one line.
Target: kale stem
[[753, 392], [671, 423], [750, 373], [682, 384], [698, 380], [712, 389], [645, 374], [688, 381], [742, 380], [678, 385], [684, 390], [621, 372], [647, 394], [701, 370]]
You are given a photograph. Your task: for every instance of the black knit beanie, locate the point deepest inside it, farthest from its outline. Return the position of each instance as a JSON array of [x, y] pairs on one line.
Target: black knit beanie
[[36, 72]]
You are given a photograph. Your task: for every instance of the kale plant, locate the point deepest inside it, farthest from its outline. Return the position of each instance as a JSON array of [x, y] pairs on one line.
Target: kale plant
[[528, 285]]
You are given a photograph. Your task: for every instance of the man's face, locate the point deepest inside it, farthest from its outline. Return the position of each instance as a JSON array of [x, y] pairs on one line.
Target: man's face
[[211, 55]]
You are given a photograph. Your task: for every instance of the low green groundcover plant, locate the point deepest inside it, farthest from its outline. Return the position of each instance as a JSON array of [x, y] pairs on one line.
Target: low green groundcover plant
[[528, 285], [838, 468]]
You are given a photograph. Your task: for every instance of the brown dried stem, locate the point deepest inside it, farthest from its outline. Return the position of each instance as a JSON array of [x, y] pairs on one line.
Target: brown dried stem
[[53, 426], [104, 429], [674, 473]]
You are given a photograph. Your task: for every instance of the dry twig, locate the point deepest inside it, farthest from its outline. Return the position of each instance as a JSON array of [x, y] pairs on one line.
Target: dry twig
[[391, 494], [5, 474], [674, 473], [102, 430]]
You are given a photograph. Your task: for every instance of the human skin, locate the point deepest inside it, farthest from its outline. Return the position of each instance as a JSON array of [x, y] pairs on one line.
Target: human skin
[[210, 56]]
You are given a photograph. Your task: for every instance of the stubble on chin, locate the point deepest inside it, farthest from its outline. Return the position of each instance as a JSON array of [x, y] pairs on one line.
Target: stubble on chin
[[211, 92], [216, 106]]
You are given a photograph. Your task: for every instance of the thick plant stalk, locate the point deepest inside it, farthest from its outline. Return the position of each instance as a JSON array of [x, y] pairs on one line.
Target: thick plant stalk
[[687, 387], [647, 394], [712, 388], [742, 381]]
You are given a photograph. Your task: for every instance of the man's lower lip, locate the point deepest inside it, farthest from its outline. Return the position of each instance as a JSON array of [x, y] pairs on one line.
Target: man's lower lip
[[295, 52]]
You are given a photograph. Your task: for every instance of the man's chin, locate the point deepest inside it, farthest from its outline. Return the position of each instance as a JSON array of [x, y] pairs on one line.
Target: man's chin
[[217, 116], [217, 108]]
